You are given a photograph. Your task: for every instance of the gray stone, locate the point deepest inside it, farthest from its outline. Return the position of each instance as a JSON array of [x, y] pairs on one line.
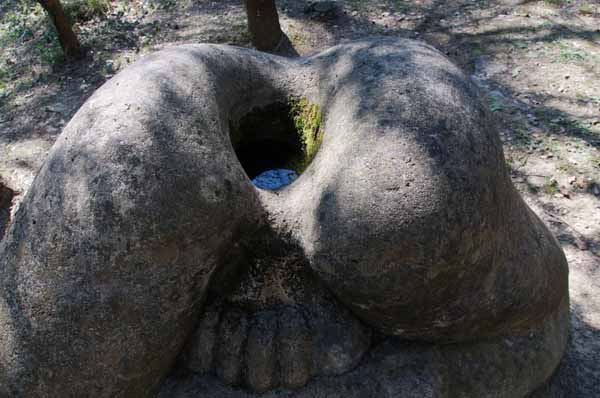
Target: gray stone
[[507, 367], [403, 235], [261, 353], [233, 333], [201, 354], [295, 343]]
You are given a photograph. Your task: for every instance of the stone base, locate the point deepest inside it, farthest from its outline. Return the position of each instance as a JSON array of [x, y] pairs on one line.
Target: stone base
[[506, 367]]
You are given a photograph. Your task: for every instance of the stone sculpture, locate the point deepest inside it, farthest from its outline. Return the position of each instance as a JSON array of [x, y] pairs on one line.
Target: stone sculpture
[[402, 262]]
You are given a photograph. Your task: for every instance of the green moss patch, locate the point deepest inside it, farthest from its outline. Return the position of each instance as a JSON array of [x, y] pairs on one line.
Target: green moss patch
[[308, 120]]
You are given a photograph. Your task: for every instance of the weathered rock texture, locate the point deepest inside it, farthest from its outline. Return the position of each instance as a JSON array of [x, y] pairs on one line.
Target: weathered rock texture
[[401, 262]]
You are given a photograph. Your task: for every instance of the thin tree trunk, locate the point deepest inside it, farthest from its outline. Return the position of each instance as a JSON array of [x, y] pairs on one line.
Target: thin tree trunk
[[66, 36], [263, 23]]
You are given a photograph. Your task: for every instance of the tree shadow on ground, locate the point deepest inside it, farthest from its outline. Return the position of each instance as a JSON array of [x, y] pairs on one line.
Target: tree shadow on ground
[[442, 24], [53, 95], [577, 374]]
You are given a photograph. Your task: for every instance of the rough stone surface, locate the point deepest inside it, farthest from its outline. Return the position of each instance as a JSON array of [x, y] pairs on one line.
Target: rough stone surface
[[403, 235], [506, 367]]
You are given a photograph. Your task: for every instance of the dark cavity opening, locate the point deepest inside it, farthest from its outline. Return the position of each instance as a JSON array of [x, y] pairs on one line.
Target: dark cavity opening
[[266, 139], [6, 202], [277, 142]]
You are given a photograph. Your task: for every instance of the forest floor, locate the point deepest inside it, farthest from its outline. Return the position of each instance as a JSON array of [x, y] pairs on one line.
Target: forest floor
[[537, 61]]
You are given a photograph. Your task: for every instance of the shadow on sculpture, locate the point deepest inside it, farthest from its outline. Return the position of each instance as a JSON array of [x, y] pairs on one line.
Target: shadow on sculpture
[[143, 261], [6, 199]]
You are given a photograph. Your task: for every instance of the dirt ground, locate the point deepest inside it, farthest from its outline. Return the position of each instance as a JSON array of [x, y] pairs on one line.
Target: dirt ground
[[537, 61]]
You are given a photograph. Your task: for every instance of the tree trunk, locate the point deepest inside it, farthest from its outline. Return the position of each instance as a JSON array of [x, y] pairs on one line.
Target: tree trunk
[[263, 23], [66, 36]]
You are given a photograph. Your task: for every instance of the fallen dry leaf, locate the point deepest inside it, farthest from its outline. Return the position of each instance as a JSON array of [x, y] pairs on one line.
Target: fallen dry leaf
[[565, 192]]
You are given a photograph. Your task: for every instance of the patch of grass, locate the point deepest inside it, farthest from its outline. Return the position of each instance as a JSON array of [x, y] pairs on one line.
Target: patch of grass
[[554, 2], [48, 48], [85, 10], [162, 4], [297, 38], [18, 24], [108, 69], [567, 167], [509, 163], [520, 44], [28, 25], [5, 88], [570, 54], [524, 137], [391, 5], [25, 83], [496, 107], [550, 186], [359, 5], [496, 104], [5, 93], [240, 33], [399, 5], [532, 189], [583, 126]]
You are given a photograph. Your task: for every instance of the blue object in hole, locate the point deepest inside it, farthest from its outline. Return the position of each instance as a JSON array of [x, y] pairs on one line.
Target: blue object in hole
[[274, 179]]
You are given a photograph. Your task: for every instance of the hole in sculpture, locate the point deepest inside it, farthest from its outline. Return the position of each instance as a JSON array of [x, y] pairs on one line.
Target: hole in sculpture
[[6, 198], [276, 143]]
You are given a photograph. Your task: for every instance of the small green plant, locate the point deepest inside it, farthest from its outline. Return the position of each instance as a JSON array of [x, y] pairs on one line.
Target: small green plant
[[523, 136], [18, 23], [48, 48], [359, 5], [550, 186], [85, 10], [570, 54], [496, 105], [240, 33], [297, 38], [307, 119], [582, 126], [108, 69], [399, 5], [520, 44], [567, 167], [509, 163], [28, 24], [162, 4], [5, 90], [4, 93], [4, 74]]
